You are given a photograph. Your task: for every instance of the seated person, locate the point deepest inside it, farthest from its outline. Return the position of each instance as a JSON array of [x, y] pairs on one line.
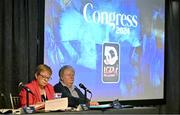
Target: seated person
[[66, 87], [40, 88]]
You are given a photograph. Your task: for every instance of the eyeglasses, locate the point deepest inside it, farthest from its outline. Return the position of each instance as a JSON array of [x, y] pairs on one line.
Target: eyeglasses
[[69, 74], [45, 77]]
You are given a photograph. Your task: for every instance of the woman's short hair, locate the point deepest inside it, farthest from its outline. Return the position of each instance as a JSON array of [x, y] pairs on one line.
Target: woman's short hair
[[42, 67], [61, 71]]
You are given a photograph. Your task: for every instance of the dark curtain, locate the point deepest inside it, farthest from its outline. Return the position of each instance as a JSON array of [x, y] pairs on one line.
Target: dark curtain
[[21, 48], [172, 57], [19, 44]]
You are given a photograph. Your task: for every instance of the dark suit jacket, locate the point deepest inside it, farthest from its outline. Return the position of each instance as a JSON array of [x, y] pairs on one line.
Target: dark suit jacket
[[72, 101]]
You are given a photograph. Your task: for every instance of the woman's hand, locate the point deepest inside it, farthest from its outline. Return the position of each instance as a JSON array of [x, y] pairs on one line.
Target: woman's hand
[[39, 105]]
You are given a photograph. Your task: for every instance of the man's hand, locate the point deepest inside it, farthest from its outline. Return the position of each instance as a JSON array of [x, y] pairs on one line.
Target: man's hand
[[93, 103]]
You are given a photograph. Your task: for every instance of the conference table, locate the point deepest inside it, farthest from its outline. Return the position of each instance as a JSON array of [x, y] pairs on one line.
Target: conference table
[[133, 110]]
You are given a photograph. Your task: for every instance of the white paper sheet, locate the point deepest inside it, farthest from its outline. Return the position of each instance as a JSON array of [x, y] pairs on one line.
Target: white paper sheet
[[56, 104]]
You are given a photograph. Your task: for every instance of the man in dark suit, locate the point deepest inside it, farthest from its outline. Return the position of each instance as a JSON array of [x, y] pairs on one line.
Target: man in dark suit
[[66, 87]]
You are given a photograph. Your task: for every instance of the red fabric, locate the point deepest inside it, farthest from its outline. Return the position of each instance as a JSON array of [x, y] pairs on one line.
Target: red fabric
[[33, 99]]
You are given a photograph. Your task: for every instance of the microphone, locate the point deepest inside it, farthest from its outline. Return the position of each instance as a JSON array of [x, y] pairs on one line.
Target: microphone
[[26, 88], [83, 87]]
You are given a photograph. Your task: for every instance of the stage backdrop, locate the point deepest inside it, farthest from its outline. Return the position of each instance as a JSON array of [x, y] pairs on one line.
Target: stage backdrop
[[115, 46]]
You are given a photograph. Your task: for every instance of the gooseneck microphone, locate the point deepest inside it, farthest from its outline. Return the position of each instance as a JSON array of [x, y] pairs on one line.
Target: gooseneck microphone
[[27, 93], [26, 88], [83, 87], [85, 93]]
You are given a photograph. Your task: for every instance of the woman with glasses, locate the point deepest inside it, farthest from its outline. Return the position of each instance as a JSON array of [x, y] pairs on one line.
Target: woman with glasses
[[40, 89]]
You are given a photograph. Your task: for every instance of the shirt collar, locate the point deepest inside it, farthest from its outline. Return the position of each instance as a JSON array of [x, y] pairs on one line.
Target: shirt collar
[[71, 88]]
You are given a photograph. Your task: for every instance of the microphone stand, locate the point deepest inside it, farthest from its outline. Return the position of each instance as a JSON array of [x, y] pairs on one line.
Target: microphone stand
[[27, 98], [85, 106], [85, 96], [28, 109]]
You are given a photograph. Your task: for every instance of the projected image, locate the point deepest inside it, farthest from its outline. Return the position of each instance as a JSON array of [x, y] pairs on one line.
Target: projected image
[[115, 46]]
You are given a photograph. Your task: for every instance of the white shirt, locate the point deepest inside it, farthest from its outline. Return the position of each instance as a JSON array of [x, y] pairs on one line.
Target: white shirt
[[72, 90]]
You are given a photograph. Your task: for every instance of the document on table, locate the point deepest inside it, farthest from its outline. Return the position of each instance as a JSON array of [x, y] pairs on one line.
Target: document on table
[[11, 111], [56, 104], [5, 111]]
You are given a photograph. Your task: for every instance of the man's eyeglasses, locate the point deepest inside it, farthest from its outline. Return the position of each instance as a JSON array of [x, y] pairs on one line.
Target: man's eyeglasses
[[45, 77]]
